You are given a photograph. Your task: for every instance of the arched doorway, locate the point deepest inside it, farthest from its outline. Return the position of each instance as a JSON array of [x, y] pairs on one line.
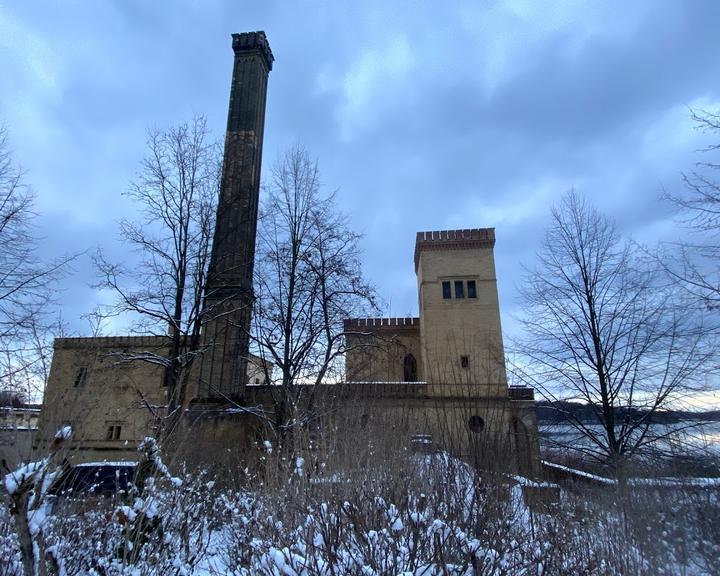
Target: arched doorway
[[409, 368]]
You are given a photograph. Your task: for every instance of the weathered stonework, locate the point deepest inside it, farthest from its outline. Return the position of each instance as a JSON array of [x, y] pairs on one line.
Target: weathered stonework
[[463, 402], [229, 291], [438, 378], [109, 399]]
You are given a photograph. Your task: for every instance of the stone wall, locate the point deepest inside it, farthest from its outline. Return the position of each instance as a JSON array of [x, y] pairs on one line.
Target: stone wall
[[381, 349], [106, 399]]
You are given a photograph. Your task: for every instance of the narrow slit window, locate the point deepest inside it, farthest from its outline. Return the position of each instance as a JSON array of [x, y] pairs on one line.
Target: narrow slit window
[[446, 291], [472, 289], [464, 361], [80, 375], [459, 289]]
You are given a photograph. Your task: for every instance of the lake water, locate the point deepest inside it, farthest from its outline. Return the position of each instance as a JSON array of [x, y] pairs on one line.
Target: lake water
[[685, 438]]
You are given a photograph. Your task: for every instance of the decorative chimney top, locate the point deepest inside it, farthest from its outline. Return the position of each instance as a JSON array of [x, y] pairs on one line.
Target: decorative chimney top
[[453, 240], [254, 42]]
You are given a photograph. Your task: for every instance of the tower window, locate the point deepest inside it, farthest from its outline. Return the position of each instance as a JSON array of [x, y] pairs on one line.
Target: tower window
[[409, 368], [464, 361], [80, 375], [459, 289], [446, 291], [472, 290]]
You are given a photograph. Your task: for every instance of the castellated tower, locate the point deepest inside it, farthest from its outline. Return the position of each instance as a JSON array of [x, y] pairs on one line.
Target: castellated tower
[[229, 290], [455, 346], [459, 311]]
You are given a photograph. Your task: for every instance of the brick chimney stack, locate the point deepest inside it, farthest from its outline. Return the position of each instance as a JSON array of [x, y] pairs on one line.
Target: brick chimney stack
[[229, 292]]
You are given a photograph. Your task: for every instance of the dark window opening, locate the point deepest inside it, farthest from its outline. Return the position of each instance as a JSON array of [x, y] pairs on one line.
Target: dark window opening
[[459, 289], [409, 368], [472, 289], [476, 424], [113, 432], [464, 361], [446, 291], [80, 376]]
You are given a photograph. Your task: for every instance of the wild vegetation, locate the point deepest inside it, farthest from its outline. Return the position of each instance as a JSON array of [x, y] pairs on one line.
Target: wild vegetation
[[409, 513]]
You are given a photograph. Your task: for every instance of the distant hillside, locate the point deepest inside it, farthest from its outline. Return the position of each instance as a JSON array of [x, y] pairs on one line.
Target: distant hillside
[[555, 413]]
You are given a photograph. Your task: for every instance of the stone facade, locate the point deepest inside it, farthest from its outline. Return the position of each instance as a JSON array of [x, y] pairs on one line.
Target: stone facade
[[451, 356], [108, 398], [18, 426], [436, 379]]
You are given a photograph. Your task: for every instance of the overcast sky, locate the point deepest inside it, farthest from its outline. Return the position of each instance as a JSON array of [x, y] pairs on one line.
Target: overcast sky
[[426, 115]]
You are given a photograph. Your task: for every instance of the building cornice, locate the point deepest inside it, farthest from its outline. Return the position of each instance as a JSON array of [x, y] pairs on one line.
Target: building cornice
[[464, 239], [254, 42]]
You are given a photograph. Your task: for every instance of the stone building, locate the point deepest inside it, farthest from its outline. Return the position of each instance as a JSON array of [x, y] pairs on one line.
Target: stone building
[[451, 359], [109, 400], [437, 379], [18, 425]]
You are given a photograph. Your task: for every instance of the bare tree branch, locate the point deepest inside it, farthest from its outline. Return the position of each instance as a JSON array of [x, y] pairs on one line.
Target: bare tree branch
[[308, 280], [603, 325], [27, 285], [176, 189]]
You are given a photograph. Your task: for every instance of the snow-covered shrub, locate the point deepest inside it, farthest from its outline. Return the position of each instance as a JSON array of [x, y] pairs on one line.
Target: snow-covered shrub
[[443, 520], [10, 561], [27, 488], [417, 515], [167, 530], [163, 526]]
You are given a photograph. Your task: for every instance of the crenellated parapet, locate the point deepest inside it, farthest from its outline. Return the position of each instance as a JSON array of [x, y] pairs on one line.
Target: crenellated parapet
[[453, 240], [111, 342], [378, 324]]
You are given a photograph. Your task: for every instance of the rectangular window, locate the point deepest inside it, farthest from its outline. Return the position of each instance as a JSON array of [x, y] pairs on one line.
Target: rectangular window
[[472, 290], [113, 432], [459, 289], [446, 291], [80, 375], [464, 361]]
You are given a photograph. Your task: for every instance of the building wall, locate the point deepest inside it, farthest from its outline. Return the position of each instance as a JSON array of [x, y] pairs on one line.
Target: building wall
[[381, 347], [18, 426], [111, 407], [358, 419], [461, 337]]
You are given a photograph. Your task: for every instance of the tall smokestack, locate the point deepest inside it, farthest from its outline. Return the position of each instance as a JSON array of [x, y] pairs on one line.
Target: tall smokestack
[[229, 290]]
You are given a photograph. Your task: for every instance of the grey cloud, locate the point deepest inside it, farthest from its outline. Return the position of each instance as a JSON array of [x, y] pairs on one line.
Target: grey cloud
[[432, 148]]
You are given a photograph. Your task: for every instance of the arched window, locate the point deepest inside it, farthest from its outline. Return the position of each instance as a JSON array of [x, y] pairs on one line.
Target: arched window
[[476, 424], [409, 368]]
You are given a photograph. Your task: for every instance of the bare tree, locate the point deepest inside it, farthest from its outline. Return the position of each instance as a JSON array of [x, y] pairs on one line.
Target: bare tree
[[308, 280], [695, 263], [602, 327], [177, 190], [26, 284]]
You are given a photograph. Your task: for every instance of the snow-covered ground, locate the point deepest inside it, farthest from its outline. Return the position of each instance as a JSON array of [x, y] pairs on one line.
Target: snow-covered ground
[[417, 515]]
